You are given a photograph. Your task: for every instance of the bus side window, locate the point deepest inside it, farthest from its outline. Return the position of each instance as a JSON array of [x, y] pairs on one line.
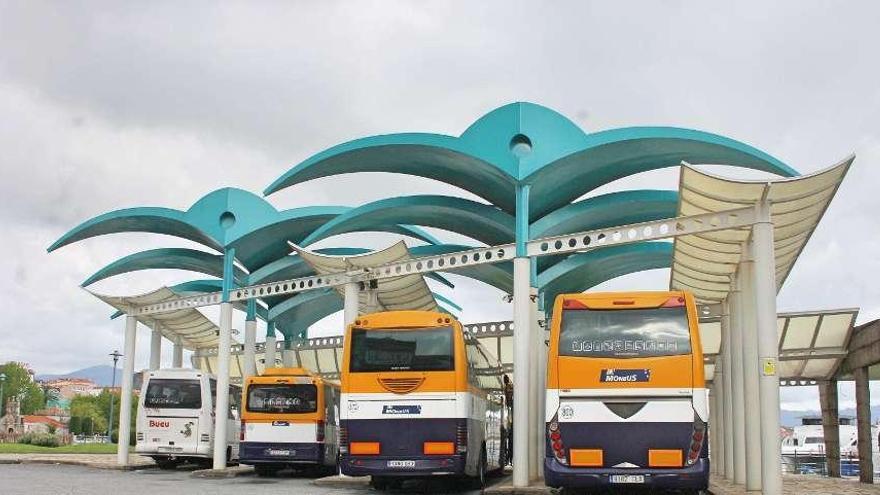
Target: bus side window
[[213, 397]]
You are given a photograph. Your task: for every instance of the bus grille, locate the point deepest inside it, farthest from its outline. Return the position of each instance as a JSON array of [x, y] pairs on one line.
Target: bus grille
[[401, 385]]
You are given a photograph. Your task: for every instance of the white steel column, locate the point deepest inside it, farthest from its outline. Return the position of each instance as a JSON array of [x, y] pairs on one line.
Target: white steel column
[[287, 354], [713, 412], [521, 343], [768, 348], [250, 347], [221, 409], [542, 394], [736, 378], [350, 308], [726, 361], [177, 353], [752, 397], [156, 346], [718, 425], [269, 355], [535, 433], [128, 358]]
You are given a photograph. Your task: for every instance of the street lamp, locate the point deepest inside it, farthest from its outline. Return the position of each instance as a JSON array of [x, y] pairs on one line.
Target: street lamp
[[2, 382], [115, 355]]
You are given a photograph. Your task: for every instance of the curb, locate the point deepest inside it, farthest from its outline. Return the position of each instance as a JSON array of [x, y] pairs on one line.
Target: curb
[[343, 481], [230, 472], [113, 467], [10, 461]]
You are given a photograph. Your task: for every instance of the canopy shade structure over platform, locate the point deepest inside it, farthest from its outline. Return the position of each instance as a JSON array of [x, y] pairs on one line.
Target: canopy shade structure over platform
[[704, 263], [812, 344], [190, 325], [406, 292]]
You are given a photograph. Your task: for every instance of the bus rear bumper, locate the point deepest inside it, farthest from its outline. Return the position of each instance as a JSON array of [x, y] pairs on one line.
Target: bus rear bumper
[[695, 477], [421, 466], [280, 453]]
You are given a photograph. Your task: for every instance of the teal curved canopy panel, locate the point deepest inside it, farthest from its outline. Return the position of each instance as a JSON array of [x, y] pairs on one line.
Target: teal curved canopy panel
[[478, 221], [524, 143], [583, 271], [607, 210], [296, 314], [166, 258]]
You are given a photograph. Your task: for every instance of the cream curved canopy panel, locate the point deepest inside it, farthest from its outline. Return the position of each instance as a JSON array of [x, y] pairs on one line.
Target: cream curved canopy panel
[[406, 292], [704, 263], [193, 328]]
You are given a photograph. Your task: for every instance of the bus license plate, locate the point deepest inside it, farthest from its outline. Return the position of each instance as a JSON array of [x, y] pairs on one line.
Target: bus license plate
[[280, 452], [627, 478], [402, 464]]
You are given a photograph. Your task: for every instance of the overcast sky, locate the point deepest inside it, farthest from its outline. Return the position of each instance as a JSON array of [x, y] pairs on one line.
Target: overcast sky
[[135, 104]]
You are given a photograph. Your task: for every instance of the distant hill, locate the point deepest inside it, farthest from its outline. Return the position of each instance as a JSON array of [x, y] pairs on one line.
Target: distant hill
[[102, 375]]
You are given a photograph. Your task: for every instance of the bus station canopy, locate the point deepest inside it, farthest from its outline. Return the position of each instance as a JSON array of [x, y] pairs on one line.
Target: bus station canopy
[[406, 292], [192, 327], [704, 263]]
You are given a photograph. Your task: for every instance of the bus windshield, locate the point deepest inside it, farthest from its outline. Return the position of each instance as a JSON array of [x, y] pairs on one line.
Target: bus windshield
[[282, 398], [174, 394], [623, 333], [418, 349]]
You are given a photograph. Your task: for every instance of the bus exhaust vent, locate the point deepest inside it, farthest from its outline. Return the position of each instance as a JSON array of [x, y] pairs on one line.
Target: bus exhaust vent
[[625, 409], [401, 385]]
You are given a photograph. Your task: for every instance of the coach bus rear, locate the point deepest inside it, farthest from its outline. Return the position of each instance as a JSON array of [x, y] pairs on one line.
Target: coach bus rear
[[626, 394]]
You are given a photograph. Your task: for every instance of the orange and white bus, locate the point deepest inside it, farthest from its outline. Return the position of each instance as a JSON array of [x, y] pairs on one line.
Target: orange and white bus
[[290, 419], [420, 397], [626, 393]]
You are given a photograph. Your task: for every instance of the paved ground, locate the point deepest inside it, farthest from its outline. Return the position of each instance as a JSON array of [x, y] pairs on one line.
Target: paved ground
[[806, 485], [103, 461], [39, 479]]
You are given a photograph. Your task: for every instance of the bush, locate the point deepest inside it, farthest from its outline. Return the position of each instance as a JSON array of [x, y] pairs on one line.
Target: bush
[[40, 439], [132, 439]]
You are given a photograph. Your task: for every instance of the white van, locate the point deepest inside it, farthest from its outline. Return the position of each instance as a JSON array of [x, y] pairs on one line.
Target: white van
[[175, 421]]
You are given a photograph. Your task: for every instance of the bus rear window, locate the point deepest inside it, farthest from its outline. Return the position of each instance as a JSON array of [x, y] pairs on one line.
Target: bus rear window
[[623, 333], [282, 398], [173, 394], [423, 349]]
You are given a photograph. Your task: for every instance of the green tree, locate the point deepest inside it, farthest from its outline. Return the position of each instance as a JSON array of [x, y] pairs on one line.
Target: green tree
[[19, 383], [75, 425]]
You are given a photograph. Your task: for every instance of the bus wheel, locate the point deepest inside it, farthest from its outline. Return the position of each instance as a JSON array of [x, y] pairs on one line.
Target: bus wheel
[[479, 481], [379, 482], [166, 463], [265, 469]]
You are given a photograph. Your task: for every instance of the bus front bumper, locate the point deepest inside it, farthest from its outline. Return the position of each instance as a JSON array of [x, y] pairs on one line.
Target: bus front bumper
[[396, 466], [275, 453], [557, 475]]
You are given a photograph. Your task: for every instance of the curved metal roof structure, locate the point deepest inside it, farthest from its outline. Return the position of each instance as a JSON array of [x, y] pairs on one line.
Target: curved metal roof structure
[[704, 263], [528, 143]]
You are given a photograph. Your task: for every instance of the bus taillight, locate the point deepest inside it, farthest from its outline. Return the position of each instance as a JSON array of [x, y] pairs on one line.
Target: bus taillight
[[461, 438], [674, 302], [241, 432], [696, 440], [343, 439], [319, 431], [556, 440]]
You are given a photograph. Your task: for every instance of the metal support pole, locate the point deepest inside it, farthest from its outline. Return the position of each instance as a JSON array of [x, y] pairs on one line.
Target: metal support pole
[[863, 425], [751, 393], [726, 361], [718, 420], [156, 346], [764, 275], [713, 413], [177, 353], [269, 348], [250, 339], [350, 308], [287, 353], [522, 341], [542, 395], [536, 433], [221, 409], [830, 426], [127, 386], [736, 379]]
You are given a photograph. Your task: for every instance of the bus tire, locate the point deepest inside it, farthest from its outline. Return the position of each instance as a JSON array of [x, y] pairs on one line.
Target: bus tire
[[380, 482], [478, 482]]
